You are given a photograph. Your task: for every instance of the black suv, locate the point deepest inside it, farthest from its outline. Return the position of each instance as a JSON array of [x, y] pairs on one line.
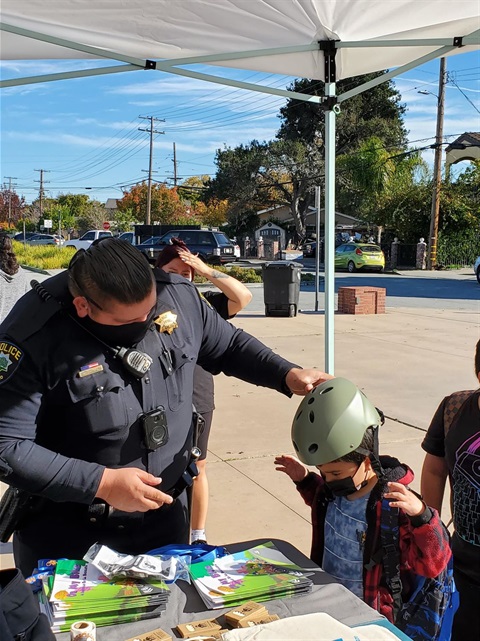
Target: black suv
[[212, 246]]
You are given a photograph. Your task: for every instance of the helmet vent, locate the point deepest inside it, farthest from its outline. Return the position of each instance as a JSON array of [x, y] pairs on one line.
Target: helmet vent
[[311, 400], [295, 446], [311, 416], [312, 448], [324, 391], [299, 414]]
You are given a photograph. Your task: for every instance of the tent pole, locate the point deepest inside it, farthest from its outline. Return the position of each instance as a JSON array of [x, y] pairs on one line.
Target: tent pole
[[330, 116], [329, 50]]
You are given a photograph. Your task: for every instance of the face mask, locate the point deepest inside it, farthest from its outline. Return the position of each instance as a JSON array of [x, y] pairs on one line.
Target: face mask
[[121, 335], [344, 487]]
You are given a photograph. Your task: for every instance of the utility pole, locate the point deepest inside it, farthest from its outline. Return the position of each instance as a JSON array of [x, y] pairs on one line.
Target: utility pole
[[41, 190], [437, 170], [151, 131], [175, 179], [10, 186]]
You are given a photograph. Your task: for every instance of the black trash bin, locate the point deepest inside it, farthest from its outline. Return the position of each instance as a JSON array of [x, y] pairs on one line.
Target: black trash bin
[[281, 287]]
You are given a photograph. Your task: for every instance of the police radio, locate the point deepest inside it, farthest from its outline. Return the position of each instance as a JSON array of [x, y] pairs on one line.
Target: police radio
[[133, 360]]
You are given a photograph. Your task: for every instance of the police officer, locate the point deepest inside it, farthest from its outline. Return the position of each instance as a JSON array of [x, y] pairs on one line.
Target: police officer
[[96, 376]]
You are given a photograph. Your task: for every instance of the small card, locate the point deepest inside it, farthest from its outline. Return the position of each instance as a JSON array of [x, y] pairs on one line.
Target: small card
[[248, 609], [154, 635], [250, 622], [204, 627]]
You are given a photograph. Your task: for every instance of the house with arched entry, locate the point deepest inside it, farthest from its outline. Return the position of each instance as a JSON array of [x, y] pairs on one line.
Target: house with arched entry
[[465, 147]]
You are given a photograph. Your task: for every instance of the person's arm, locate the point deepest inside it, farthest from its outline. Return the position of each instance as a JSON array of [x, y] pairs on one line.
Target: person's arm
[[238, 295], [434, 477], [235, 353], [435, 470]]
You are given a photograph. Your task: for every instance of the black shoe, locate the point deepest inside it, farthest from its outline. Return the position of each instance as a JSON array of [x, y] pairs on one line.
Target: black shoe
[[199, 542]]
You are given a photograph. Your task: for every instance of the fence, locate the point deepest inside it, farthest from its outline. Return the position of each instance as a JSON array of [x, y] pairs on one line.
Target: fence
[[450, 255]]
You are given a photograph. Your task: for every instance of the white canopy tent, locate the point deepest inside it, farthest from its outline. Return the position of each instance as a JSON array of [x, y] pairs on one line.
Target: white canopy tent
[[323, 39]]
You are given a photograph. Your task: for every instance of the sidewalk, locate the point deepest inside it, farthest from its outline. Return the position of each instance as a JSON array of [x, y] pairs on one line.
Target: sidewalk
[[405, 361]]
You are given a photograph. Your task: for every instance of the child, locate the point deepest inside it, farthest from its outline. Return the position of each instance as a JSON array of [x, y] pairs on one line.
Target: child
[[335, 429]]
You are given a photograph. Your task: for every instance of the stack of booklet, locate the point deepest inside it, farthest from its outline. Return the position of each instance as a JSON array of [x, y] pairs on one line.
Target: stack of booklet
[[258, 574], [78, 590]]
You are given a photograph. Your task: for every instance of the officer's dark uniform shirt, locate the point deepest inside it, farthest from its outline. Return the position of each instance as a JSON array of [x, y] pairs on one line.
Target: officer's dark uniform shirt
[[68, 408]]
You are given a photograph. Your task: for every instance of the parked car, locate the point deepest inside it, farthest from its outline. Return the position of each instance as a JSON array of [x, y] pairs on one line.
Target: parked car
[[212, 246], [476, 269], [353, 256], [45, 239], [19, 237], [129, 236], [87, 239]]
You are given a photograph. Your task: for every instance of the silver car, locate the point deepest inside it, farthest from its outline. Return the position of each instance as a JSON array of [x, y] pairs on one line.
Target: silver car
[[45, 239]]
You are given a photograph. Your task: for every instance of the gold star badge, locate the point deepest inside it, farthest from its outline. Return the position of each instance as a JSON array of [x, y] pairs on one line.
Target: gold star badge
[[166, 322]]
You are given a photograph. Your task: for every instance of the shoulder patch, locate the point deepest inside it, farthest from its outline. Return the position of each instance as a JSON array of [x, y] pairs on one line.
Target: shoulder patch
[[10, 358]]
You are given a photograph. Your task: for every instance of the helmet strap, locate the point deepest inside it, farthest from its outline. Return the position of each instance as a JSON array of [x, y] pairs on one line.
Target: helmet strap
[[373, 456]]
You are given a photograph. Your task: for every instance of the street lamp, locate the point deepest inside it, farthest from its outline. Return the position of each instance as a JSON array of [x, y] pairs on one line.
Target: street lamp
[[437, 167]]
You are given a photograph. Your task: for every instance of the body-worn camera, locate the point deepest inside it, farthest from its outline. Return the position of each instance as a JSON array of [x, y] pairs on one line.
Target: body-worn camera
[[155, 428]]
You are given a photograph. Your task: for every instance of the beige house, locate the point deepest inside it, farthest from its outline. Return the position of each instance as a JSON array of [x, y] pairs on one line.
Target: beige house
[[283, 214], [465, 147], [111, 205]]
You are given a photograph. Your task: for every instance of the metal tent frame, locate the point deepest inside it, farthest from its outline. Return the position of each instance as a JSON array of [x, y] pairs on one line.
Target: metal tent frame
[[330, 101]]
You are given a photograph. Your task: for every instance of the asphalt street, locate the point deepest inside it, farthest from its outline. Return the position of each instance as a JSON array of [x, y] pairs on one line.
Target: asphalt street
[[456, 289]]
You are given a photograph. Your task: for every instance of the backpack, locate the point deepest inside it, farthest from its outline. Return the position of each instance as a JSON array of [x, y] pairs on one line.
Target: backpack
[[428, 613]]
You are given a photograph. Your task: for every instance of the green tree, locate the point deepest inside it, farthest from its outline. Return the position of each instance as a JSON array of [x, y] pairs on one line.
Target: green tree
[[77, 204], [376, 112], [380, 183], [62, 218], [258, 175], [192, 188], [124, 219]]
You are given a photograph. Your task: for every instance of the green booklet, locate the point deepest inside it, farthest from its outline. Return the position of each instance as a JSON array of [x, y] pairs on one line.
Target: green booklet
[[260, 573], [78, 590]]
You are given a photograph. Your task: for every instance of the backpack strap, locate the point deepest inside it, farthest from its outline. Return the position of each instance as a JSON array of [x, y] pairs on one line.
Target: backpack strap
[[389, 536], [453, 403]]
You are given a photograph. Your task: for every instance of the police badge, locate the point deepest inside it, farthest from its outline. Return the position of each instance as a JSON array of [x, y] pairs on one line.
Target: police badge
[[166, 322]]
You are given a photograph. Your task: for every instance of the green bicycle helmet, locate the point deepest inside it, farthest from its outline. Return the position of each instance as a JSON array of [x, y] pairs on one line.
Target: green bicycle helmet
[[331, 421]]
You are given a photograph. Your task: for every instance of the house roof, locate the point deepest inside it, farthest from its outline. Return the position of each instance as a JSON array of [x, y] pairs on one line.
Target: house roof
[[465, 147]]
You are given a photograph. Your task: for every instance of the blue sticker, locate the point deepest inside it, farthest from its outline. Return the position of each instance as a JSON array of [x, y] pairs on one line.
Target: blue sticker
[[10, 359]]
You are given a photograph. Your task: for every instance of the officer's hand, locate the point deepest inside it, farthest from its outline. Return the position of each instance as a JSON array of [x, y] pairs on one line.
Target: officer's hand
[[131, 490], [302, 381]]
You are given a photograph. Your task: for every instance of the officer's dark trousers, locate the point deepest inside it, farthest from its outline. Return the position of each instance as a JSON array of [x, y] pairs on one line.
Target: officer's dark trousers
[[67, 531]]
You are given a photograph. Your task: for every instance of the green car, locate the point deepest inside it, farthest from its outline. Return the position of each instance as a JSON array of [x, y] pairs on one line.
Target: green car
[[353, 256]]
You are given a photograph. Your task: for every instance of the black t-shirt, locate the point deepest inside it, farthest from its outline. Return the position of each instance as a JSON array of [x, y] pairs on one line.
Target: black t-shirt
[[203, 387], [461, 449]]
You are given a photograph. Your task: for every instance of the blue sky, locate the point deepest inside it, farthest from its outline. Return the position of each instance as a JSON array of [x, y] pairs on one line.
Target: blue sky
[[85, 132]]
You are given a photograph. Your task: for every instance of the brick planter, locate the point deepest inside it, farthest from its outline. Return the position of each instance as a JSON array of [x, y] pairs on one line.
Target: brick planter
[[361, 300]]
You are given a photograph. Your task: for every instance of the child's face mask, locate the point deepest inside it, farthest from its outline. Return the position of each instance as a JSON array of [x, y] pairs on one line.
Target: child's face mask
[[347, 485]]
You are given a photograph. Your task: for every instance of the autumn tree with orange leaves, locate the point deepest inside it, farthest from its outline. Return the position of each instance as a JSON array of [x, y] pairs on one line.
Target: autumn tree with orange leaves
[[166, 205]]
